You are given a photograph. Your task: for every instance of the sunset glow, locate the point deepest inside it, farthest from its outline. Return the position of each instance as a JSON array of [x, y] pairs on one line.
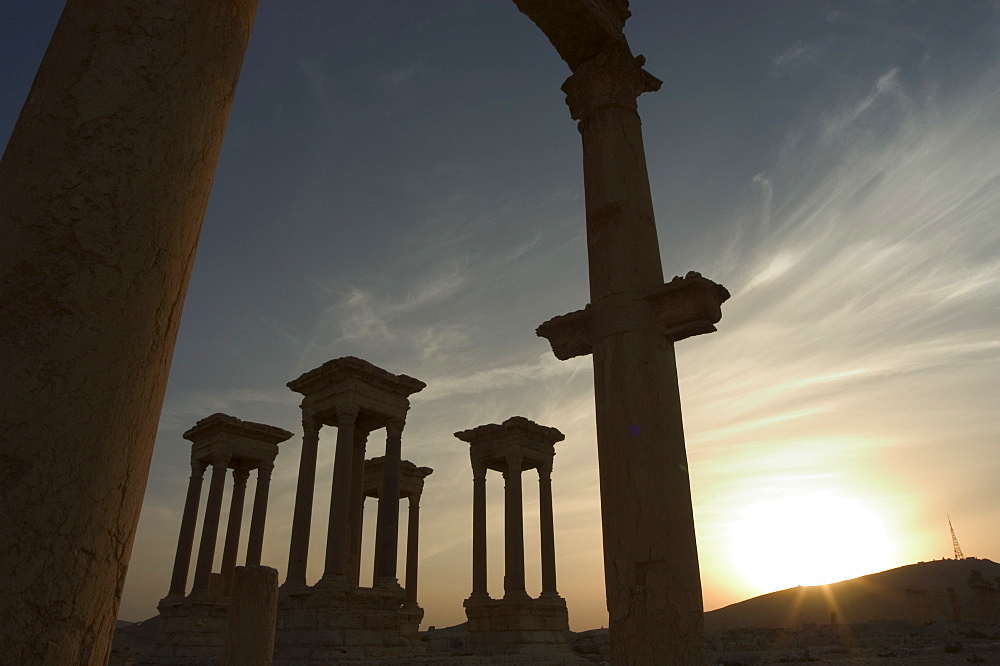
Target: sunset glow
[[808, 539]]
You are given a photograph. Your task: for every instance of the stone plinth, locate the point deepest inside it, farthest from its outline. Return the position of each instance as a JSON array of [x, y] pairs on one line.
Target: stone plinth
[[529, 626], [361, 625], [191, 632]]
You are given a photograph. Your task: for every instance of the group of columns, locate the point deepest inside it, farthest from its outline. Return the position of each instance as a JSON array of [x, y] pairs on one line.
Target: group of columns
[[210, 528], [513, 581], [343, 544]]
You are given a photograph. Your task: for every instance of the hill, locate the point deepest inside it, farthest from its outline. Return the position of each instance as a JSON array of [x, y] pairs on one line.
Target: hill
[[938, 591]]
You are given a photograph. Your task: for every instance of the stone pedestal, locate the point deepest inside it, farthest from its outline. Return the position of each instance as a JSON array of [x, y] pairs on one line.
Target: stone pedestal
[[524, 626]]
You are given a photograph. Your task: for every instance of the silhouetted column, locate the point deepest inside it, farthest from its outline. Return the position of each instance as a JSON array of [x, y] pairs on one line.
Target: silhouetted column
[[255, 541], [185, 542], [513, 580], [480, 588], [298, 550], [357, 506], [210, 529], [412, 546], [338, 533], [548, 539], [387, 529], [650, 554], [233, 527], [103, 187]]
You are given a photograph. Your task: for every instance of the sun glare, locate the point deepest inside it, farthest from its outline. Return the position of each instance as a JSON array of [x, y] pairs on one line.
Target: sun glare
[[808, 539]]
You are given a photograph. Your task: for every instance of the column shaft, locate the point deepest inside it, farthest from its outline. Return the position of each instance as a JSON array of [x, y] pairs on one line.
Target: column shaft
[[255, 541], [479, 582], [338, 532], [210, 528], [185, 542], [298, 550], [548, 540], [233, 527], [103, 187], [513, 580], [357, 506], [387, 527], [412, 547]]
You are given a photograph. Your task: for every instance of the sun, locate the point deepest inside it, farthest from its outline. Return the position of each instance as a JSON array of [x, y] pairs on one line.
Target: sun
[[808, 539]]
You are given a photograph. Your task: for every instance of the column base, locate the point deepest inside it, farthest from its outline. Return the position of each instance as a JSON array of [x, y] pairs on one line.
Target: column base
[[502, 626]]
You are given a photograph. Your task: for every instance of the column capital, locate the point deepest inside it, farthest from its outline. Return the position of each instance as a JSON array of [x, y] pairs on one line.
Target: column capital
[[264, 470], [198, 468], [220, 460], [240, 477], [478, 469], [414, 500], [613, 78], [347, 411], [514, 459], [394, 428], [545, 470], [310, 424]]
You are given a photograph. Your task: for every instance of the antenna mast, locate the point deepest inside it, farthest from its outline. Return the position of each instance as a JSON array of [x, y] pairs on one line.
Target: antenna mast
[[954, 542]]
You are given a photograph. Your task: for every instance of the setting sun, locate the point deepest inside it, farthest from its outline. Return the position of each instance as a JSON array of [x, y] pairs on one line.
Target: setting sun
[[808, 539]]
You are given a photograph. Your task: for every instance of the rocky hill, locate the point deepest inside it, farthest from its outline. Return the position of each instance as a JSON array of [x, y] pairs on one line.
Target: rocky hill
[[940, 591]]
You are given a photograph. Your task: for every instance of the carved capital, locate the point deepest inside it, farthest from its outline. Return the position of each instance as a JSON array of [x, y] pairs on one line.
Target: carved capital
[[545, 471], [220, 460], [478, 469], [347, 412], [514, 460], [394, 428], [264, 471], [613, 78], [240, 477], [198, 468], [310, 424]]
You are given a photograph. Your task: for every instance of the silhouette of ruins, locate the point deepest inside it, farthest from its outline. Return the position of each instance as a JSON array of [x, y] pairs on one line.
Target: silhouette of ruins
[[93, 309]]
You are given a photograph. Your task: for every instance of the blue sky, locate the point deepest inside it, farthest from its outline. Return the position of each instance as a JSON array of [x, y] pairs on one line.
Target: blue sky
[[402, 182]]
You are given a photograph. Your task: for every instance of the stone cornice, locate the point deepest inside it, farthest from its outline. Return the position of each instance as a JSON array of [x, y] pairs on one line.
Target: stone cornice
[[351, 367]]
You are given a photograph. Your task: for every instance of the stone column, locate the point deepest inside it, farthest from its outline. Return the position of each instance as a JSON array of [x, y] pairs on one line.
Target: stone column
[[210, 528], [103, 187], [357, 506], [387, 528], [255, 542], [298, 550], [548, 539], [480, 588], [185, 542], [650, 556], [412, 547], [233, 527], [513, 580], [338, 533]]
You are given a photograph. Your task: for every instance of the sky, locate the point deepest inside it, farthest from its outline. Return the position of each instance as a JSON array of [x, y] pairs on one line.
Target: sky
[[402, 182]]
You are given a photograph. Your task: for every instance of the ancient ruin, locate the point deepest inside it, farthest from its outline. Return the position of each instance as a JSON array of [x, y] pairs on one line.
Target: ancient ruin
[[651, 566], [411, 487], [192, 624], [335, 619], [515, 623]]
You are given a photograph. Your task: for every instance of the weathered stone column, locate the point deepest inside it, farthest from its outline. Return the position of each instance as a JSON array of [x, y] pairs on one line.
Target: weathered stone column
[[650, 555], [548, 538], [338, 534], [480, 588], [255, 541], [233, 527], [513, 580], [412, 547], [103, 187], [210, 529], [253, 612], [357, 506], [298, 550], [185, 541], [387, 528]]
